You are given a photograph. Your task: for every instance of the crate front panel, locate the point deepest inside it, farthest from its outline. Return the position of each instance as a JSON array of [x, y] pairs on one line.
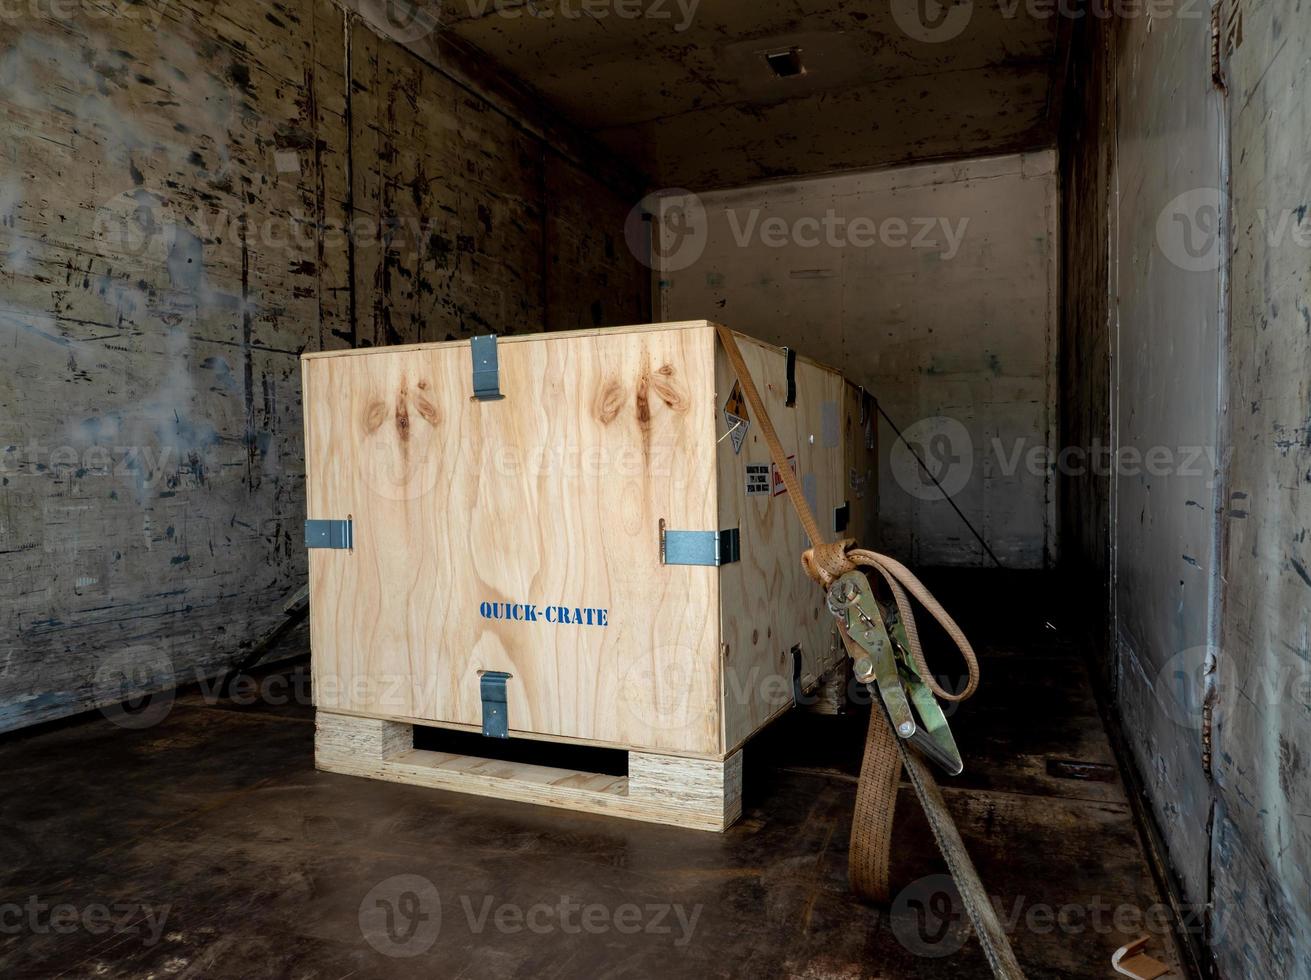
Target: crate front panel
[[466, 513]]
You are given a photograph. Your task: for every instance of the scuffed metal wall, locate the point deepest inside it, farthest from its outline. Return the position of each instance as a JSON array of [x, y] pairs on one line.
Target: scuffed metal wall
[[1166, 263], [1261, 847], [1203, 306], [190, 195], [935, 287]]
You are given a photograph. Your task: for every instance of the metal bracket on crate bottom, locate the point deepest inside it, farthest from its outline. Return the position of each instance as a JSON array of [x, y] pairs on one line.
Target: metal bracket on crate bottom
[[496, 715], [699, 547]]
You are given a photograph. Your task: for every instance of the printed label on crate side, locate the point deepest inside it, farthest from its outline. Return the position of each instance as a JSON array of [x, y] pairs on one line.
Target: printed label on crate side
[[757, 479], [776, 478], [531, 612], [736, 417]]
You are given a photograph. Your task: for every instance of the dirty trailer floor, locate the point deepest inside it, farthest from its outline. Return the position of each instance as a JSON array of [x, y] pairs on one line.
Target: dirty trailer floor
[[207, 845]]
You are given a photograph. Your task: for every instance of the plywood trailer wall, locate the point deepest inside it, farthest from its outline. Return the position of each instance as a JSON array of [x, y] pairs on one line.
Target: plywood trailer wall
[[175, 194]]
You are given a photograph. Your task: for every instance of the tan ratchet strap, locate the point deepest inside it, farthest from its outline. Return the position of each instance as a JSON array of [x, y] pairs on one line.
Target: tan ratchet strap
[[880, 773]]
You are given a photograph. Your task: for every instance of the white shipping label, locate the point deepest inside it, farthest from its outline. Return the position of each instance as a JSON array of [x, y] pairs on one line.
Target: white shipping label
[[757, 479]]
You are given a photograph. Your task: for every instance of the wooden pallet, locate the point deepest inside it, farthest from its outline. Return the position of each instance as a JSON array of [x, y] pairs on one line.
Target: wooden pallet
[[699, 794]]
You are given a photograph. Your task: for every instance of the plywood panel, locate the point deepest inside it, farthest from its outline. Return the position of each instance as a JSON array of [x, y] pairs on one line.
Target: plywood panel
[[770, 605], [550, 497]]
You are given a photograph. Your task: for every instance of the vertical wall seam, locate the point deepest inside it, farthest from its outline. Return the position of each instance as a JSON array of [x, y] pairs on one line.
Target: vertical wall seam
[[349, 78]]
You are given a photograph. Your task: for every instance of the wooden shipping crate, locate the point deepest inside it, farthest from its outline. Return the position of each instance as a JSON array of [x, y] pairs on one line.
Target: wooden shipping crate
[[544, 535]]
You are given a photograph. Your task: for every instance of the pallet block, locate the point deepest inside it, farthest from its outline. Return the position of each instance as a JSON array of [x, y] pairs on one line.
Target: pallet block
[[695, 793]]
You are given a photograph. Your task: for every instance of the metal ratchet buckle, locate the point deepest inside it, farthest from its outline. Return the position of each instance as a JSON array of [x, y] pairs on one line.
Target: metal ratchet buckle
[[887, 668]]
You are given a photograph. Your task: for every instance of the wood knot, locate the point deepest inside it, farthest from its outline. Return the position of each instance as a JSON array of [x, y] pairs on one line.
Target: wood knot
[[609, 402], [427, 410], [669, 388], [402, 416], [374, 416]]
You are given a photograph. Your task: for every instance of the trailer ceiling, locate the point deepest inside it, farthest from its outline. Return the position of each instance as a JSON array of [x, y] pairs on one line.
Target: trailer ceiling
[[712, 94]]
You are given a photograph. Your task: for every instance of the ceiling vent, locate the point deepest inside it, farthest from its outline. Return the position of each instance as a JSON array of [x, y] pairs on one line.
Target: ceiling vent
[[785, 63]]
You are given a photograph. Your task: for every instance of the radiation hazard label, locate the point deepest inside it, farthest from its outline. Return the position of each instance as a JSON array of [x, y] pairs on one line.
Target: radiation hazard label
[[736, 417]]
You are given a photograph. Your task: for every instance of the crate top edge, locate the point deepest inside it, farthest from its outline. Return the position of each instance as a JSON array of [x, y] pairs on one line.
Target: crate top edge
[[560, 335], [514, 338]]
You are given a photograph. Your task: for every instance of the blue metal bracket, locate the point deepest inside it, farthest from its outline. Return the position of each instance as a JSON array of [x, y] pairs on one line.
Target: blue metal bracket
[[486, 369], [700, 547], [330, 534], [496, 716]]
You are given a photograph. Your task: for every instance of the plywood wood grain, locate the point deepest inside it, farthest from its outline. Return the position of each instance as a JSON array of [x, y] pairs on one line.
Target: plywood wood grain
[[549, 498], [769, 606]]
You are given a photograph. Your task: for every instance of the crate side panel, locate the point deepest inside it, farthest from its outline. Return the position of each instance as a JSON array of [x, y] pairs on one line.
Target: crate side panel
[[860, 428], [768, 604], [549, 498]]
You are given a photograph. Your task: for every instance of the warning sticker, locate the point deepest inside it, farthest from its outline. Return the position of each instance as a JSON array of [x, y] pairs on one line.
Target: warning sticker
[[757, 479], [777, 485], [736, 417]]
